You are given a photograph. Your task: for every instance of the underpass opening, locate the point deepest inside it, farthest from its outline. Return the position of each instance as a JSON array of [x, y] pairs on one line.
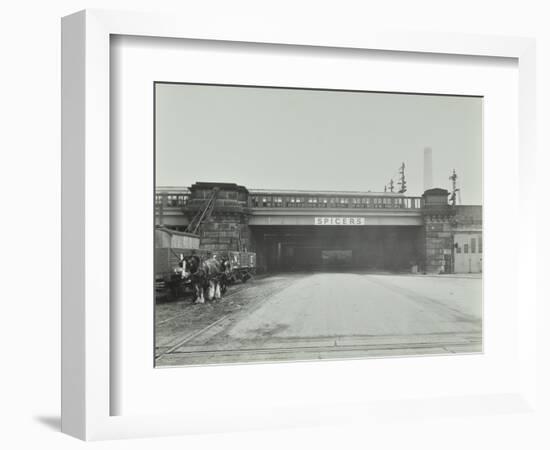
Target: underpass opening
[[371, 248]]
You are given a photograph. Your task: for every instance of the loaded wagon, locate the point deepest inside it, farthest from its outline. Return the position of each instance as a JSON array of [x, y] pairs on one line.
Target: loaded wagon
[[242, 264]]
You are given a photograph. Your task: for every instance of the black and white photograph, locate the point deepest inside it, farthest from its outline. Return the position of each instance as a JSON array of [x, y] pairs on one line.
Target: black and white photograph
[[299, 224]]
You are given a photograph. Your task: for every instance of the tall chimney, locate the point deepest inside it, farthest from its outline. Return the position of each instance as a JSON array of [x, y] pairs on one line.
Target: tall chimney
[[428, 179]]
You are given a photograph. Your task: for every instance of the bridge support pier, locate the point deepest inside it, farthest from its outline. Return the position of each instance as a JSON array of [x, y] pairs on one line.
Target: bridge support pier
[[438, 231]]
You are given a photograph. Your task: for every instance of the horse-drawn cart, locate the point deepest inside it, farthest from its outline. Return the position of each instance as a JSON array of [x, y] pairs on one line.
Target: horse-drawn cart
[[169, 251], [242, 265]]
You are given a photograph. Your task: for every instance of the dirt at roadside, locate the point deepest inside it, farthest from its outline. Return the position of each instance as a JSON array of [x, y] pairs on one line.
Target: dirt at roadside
[[176, 320]]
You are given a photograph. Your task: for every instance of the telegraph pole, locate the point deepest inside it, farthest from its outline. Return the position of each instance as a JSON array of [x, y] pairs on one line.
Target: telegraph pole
[[402, 182], [391, 185], [454, 191]]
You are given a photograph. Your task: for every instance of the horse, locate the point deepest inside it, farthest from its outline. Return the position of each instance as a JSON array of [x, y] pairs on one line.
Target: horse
[[225, 276], [204, 275]]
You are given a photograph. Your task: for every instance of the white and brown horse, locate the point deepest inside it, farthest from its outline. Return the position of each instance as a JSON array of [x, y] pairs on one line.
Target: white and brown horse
[[205, 275]]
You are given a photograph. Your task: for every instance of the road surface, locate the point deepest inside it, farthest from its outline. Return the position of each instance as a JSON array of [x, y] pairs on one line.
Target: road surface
[[327, 315]]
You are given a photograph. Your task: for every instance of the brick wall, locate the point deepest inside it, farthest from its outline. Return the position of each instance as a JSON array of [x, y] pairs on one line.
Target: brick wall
[[225, 232], [438, 235]]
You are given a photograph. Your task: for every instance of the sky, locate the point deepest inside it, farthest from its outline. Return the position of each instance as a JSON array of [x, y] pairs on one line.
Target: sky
[[266, 138]]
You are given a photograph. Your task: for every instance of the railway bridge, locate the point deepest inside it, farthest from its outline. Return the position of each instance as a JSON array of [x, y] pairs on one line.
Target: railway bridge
[[297, 230]]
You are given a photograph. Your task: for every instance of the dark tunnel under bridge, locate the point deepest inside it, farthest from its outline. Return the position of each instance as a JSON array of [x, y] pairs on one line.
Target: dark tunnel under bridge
[[385, 248]]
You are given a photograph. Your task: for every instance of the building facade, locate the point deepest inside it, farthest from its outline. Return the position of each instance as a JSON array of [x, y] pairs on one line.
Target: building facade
[[295, 230]]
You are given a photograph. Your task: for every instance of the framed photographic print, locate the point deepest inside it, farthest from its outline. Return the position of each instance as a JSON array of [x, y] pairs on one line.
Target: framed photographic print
[[328, 258], [270, 228]]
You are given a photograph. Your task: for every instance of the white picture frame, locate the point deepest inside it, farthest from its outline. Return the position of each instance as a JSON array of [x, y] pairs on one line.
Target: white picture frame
[[86, 248]]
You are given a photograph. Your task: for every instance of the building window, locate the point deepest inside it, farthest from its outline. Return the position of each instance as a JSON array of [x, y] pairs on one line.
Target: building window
[[458, 249], [465, 248], [473, 245], [479, 245]]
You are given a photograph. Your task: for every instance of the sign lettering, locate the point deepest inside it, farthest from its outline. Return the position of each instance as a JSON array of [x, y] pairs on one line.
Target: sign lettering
[[340, 221]]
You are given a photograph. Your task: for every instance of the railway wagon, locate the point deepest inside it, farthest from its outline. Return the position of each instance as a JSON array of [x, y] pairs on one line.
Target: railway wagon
[[169, 245]]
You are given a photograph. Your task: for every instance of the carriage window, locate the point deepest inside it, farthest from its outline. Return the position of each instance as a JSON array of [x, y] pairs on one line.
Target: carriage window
[[343, 202], [178, 200], [172, 200], [286, 202], [158, 199], [278, 202], [324, 202]]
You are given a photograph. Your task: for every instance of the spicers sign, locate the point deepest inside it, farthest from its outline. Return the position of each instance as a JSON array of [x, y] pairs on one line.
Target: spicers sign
[[340, 221]]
